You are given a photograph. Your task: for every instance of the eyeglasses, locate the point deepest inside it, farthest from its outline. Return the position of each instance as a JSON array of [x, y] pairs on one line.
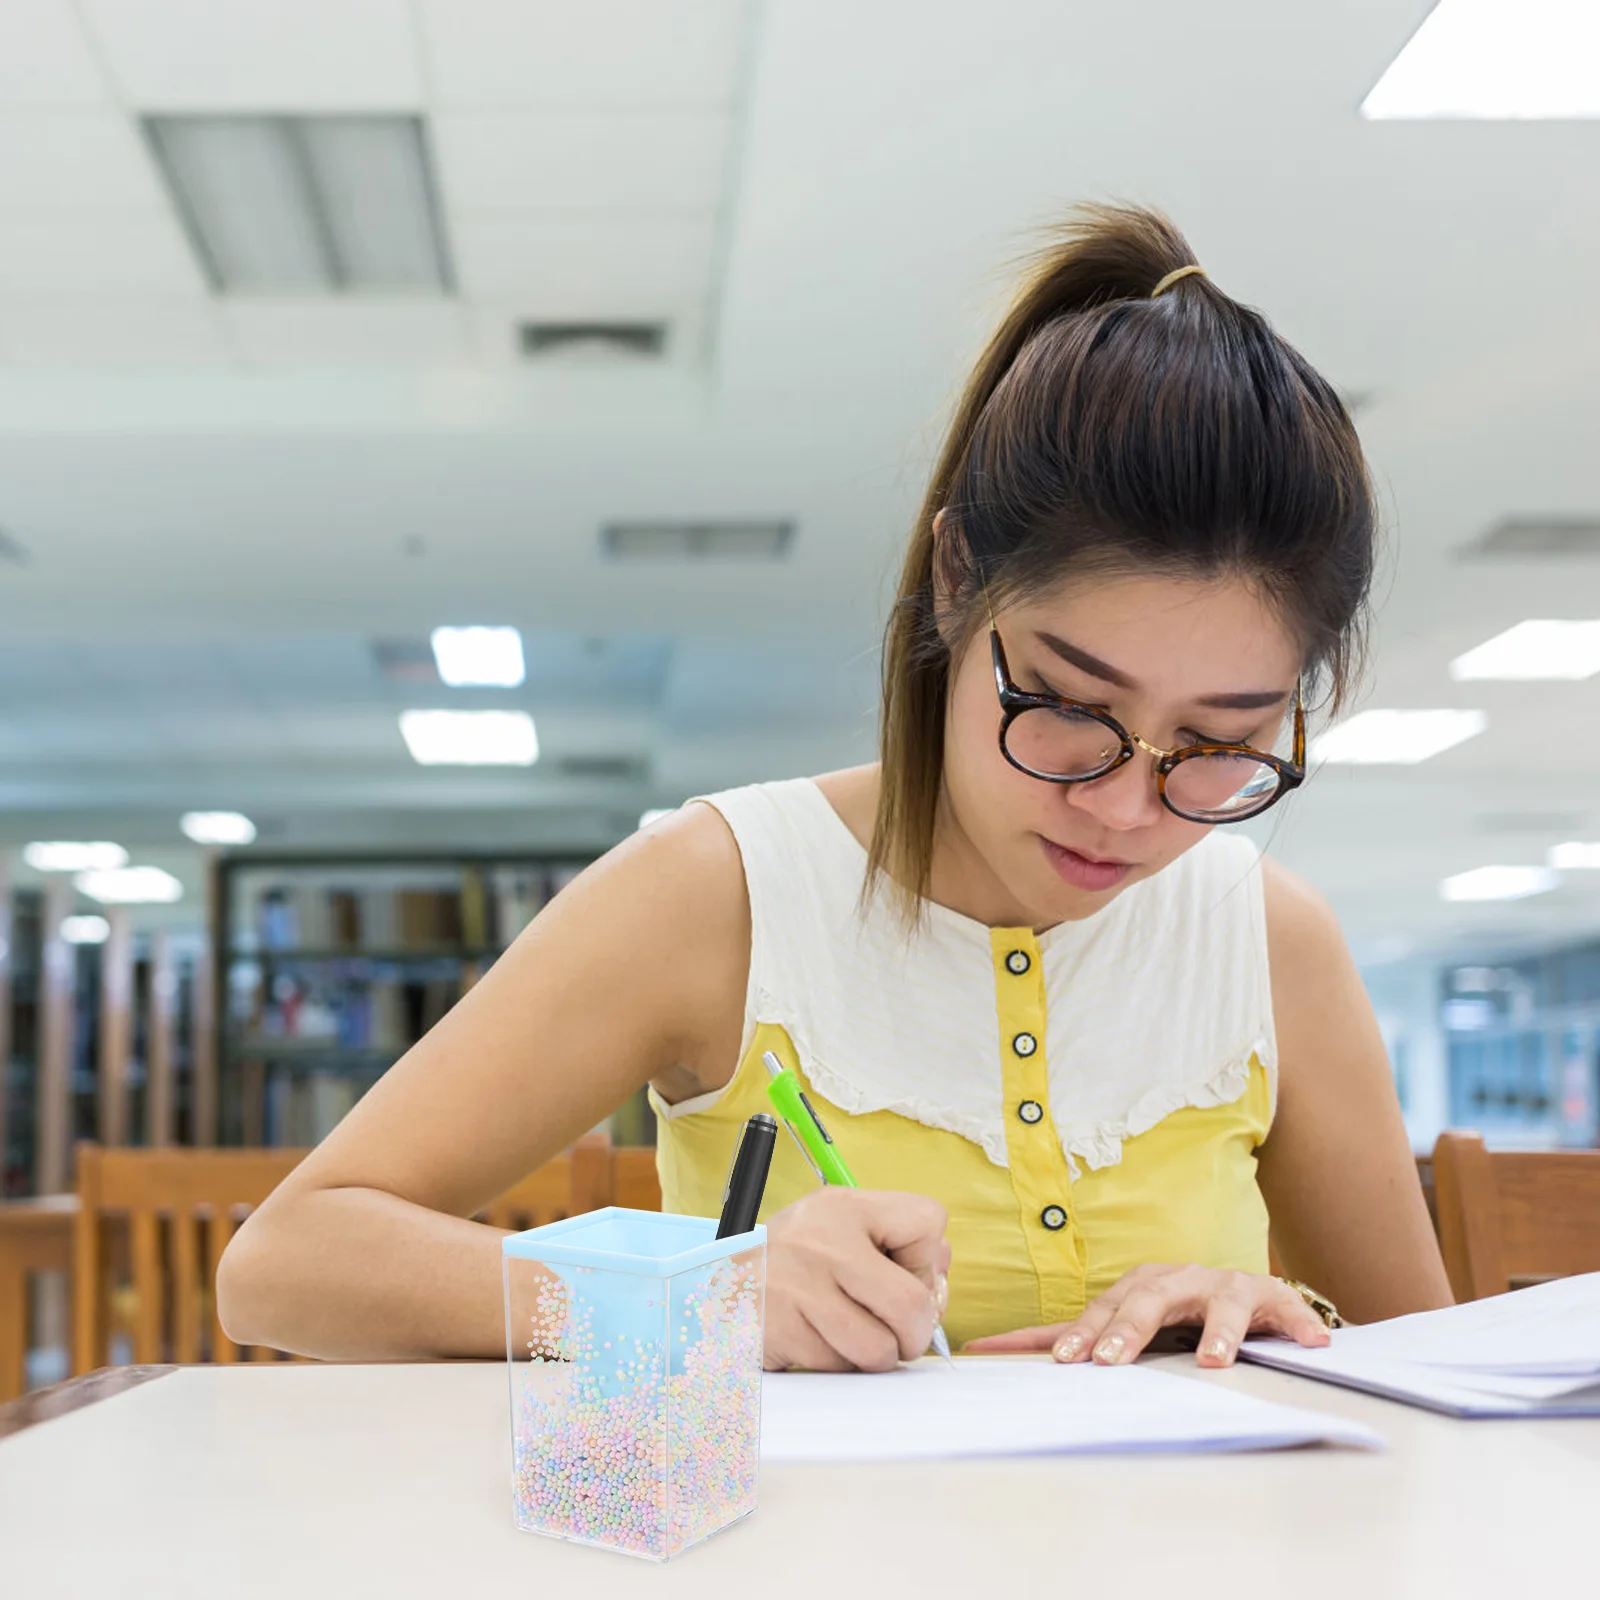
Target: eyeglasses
[[1058, 740]]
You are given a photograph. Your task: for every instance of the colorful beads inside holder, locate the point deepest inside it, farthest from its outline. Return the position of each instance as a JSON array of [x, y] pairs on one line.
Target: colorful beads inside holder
[[634, 1347]]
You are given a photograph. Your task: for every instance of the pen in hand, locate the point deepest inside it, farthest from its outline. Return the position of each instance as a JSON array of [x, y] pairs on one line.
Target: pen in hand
[[817, 1146]]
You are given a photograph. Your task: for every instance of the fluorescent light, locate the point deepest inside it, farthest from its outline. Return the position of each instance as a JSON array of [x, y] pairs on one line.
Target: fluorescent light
[[488, 658], [1535, 649], [470, 738], [130, 886], [655, 815], [295, 205], [218, 827], [1396, 737], [85, 930], [1496, 59], [1499, 883], [61, 855], [1574, 856]]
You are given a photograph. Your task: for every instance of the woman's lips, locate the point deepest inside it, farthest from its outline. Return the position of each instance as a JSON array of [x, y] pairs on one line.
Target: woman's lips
[[1084, 872]]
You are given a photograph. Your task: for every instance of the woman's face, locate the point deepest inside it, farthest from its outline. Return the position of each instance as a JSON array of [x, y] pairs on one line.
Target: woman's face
[[1176, 661]]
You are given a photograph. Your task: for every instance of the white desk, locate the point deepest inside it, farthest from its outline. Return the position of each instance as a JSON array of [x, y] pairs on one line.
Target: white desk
[[394, 1481]]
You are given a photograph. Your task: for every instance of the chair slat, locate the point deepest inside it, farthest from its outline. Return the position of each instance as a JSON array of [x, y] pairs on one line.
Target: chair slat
[[185, 1235], [147, 1286], [219, 1230]]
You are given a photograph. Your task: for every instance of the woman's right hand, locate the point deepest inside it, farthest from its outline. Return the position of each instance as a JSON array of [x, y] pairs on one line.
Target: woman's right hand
[[855, 1280]]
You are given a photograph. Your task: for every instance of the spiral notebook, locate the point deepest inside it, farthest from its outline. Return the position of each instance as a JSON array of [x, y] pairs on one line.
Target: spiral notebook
[[1531, 1353]]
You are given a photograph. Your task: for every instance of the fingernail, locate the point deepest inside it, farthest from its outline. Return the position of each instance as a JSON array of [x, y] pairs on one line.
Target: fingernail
[[1110, 1349], [941, 1293], [1068, 1346], [1215, 1350]]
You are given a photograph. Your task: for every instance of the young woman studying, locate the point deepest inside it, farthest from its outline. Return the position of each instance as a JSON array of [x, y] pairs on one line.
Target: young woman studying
[[1087, 1052]]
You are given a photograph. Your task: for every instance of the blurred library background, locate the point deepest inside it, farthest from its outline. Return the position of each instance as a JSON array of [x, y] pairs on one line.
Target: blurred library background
[[436, 435]]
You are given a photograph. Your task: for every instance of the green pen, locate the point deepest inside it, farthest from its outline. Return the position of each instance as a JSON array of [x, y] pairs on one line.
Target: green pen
[[816, 1144]]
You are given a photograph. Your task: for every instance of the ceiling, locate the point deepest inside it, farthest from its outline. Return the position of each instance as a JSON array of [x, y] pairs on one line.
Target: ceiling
[[224, 502]]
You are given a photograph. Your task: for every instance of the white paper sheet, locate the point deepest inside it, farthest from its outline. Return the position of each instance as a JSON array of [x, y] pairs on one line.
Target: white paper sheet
[[999, 1406], [1533, 1352]]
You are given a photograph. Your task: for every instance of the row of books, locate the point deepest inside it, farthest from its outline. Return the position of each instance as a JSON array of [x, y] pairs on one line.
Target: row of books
[[372, 1014], [487, 909], [303, 1109]]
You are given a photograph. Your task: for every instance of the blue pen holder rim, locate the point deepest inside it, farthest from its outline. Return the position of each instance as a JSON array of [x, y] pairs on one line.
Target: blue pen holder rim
[[656, 1244]]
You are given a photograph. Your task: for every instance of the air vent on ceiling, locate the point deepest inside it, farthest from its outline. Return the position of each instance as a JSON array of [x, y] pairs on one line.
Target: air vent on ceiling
[[1566, 824], [611, 768], [1517, 538], [405, 660], [697, 541], [305, 205], [591, 341]]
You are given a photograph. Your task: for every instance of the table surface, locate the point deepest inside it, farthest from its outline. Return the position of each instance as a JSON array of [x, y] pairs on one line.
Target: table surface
[[395, 1481]]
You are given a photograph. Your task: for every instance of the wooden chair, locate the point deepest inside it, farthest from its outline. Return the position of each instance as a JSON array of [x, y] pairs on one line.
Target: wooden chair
[[162, 1218], [1509, 1217], [35, 1237], [182, 1207]]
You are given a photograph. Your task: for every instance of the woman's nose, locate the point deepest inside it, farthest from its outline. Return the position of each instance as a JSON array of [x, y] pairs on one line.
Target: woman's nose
[[1122, 800]]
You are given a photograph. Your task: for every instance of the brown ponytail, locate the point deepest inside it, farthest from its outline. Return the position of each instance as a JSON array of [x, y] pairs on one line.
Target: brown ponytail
[[1102, 430]]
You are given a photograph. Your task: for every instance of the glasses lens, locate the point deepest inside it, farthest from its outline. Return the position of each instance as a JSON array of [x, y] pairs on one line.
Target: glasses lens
[[1062, 743], [1221, 788]]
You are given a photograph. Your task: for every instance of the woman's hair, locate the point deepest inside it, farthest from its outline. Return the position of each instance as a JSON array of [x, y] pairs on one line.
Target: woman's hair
[[1106, 431]]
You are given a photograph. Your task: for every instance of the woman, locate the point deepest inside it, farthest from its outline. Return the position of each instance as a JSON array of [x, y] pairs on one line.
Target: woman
[[1044, 997]]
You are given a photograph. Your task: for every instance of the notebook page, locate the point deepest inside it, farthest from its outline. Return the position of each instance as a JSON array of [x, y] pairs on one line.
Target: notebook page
[[997, 1406]]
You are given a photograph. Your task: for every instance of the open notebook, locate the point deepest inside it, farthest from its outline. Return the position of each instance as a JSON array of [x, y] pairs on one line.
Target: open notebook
[[1012, 1406], [1531, 1353]]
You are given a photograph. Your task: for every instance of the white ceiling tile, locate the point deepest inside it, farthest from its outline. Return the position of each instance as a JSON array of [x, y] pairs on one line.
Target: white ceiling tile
[[112, 253], [605, 264], [75, 160], [261, 55], [585, 161], [394, 333], [601, 53], [44, 57], [97, 334]]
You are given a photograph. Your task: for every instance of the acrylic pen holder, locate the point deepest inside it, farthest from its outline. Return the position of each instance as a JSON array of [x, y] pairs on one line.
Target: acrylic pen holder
[[633, 1341]]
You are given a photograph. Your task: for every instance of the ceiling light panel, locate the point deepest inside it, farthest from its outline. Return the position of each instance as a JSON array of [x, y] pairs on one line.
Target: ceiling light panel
[[470, 738], [1400, 738], [1499, 883], [305, 205], [130, 886], [1575, 855], [88, 929], [1492, 59], [1533, 650], [218, 827], [63, 855], [489, 658]]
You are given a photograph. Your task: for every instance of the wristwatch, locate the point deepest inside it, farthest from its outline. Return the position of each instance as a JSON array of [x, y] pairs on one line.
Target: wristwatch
[[1320, 1303]]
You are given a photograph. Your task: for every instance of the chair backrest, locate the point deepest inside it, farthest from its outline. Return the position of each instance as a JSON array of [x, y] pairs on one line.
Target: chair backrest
[[1509, 1216], [159, 1220], [634, 1181], [162, 1218]]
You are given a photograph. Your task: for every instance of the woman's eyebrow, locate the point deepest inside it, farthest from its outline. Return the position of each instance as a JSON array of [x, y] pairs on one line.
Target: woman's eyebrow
[[1244, 700]]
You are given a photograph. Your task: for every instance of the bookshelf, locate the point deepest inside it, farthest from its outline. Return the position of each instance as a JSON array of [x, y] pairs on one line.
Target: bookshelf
[[327, 970]]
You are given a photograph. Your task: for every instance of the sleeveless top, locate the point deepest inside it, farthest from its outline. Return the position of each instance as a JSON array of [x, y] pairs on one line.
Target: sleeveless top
[[1081, 1101]]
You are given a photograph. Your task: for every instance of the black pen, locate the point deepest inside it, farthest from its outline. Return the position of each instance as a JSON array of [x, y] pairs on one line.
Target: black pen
[[747, 1177]]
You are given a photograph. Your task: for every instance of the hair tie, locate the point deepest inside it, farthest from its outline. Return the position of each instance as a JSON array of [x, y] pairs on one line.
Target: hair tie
[[1173, 276]]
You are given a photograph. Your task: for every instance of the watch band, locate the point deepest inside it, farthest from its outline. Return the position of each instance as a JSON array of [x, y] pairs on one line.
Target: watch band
[[1320, 1303]]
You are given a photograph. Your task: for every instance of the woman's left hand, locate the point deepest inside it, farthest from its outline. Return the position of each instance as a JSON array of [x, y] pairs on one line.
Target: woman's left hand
[[1115, 1327]]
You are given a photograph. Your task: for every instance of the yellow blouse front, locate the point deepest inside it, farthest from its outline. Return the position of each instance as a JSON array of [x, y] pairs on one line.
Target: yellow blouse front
[[1032, 1241]]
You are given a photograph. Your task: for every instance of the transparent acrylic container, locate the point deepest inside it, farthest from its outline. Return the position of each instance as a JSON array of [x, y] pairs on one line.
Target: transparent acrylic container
[[633, 1342]]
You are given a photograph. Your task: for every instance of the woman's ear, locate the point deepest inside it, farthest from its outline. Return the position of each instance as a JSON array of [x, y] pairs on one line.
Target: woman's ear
[[952, 574]]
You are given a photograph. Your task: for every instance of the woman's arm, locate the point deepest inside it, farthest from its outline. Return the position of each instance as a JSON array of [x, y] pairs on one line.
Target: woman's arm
[[635, 971], [1337, 1171]]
